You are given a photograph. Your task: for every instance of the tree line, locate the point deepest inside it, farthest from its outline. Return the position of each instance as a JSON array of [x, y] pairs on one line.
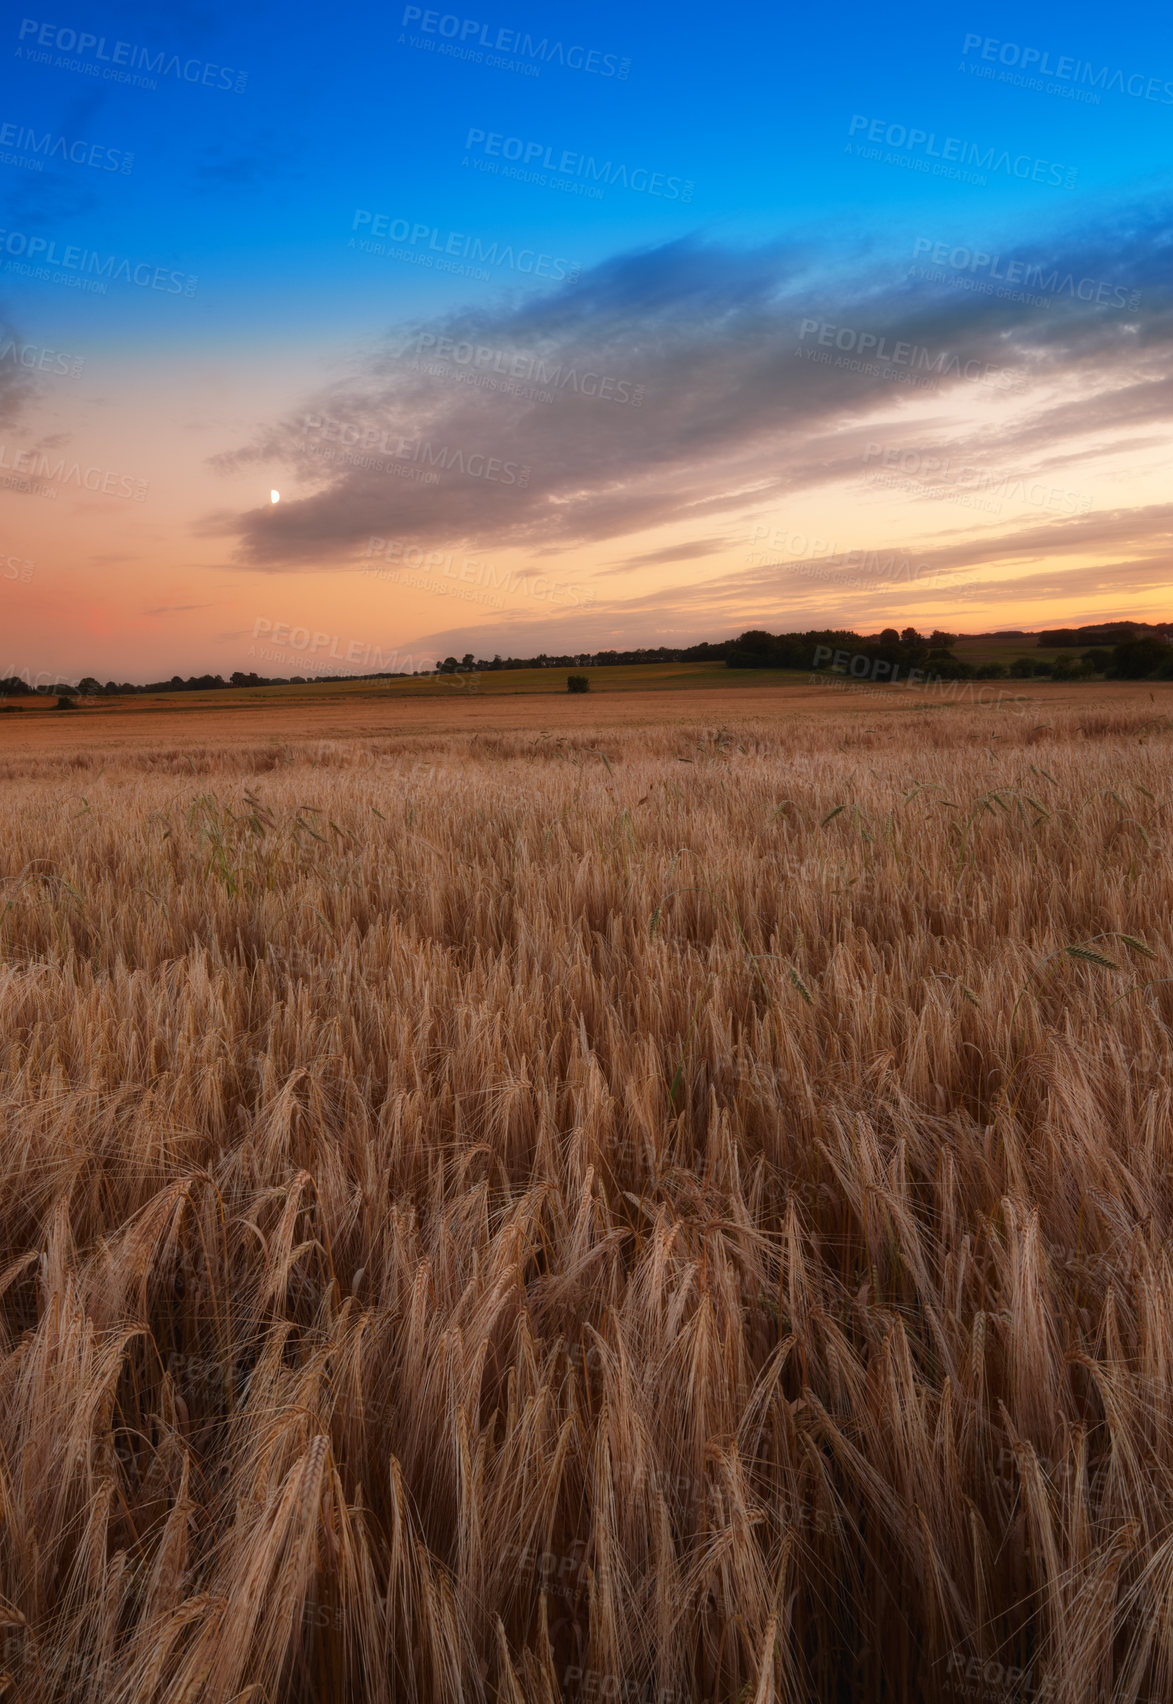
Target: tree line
[[1137, 654]]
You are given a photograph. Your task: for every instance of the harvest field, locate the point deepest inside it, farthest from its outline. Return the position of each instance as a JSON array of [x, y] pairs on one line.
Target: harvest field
[[517, 1201]]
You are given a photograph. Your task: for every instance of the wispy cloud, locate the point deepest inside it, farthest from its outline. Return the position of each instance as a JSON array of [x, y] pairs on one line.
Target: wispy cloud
[[670, 553], [733, 416]]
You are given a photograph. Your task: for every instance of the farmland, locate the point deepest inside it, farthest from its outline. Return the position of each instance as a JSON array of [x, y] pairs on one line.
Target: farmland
[[661, 1195]]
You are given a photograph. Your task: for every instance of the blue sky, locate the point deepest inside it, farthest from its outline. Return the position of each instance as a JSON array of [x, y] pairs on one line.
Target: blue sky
[[754, 173]]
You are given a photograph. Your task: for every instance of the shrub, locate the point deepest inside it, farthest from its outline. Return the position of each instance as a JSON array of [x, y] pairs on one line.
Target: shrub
[[1022, 668], [990, 671], [943, 665], [1137, 658], [578, 683]]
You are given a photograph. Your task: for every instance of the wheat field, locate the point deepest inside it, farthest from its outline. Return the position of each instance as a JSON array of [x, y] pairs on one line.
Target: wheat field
[[656, 1215]]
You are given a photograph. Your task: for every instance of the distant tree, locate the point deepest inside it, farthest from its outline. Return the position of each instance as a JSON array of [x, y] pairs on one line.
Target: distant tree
[[1136, 658], [1042, 669], [1100, 659], [1067, 667], [1022, 668], [578, 683], [889, 636], [990, 671]]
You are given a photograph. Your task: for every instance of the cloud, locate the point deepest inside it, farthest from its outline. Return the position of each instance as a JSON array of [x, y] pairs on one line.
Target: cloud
[[735, 410], [890, 586], [670, 553]]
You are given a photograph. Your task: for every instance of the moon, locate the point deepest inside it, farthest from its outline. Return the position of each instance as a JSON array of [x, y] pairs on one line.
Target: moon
[[274, 496]]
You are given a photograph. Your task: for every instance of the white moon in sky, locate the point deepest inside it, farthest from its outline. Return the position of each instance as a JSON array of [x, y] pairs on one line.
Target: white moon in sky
[[274, 496]]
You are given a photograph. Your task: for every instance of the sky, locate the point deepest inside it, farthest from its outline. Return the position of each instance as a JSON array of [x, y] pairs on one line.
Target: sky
[[335, 339]]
